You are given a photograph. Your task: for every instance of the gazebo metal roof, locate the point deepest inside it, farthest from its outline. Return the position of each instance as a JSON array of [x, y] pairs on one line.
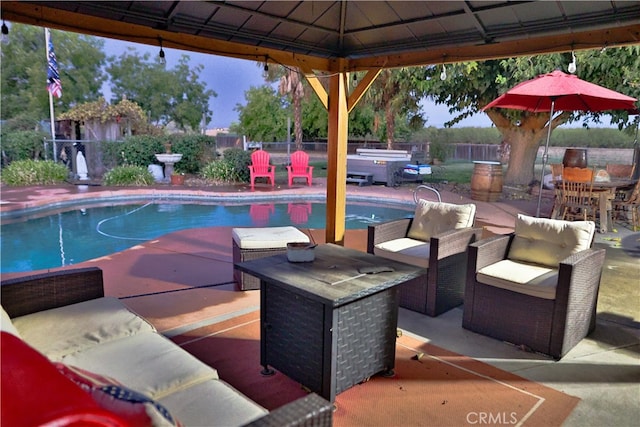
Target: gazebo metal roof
[[333, 38], [347, 35]]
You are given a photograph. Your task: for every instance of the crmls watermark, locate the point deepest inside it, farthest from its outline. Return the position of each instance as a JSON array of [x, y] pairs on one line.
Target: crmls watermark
[[493, 418]]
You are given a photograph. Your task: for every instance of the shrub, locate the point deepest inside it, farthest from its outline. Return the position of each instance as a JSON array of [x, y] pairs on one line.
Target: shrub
[[141, 150], [219, 171], [34, 172], [233, 167], [23, 145], [196, 150], [440, 150], [128, 175]]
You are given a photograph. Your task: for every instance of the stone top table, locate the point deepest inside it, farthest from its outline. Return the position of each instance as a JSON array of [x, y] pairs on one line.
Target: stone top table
[[328, 324]]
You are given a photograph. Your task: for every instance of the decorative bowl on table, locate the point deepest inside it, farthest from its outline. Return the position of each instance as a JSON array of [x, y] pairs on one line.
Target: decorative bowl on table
[[300, 252]]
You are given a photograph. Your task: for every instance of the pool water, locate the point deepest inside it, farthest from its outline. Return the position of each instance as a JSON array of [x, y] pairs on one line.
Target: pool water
[[86, 233]]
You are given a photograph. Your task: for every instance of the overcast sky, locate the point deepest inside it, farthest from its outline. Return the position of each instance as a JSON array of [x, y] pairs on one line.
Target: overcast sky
[[230, 78]]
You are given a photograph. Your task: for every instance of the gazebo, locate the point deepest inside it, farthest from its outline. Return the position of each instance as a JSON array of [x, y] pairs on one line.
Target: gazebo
[[334, 38]]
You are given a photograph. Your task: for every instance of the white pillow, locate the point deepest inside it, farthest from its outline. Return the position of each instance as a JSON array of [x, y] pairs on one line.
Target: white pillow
[[433, 218], [549, 241], [6, 324]]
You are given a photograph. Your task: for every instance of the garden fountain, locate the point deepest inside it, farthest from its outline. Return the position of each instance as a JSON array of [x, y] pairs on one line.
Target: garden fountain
[[169, 159]]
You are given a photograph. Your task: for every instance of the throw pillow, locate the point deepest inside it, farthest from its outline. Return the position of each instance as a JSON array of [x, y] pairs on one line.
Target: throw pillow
[[548, 241], [433, 218], [6, 324], [134, 407]]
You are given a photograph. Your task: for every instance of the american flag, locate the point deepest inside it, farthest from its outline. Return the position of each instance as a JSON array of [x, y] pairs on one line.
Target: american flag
[[53, 77]]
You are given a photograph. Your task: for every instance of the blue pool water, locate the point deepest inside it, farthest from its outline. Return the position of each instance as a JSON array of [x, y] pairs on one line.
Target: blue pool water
[[82, 234]]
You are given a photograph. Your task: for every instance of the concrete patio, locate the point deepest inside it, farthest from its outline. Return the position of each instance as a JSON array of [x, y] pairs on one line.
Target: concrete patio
[[193, 286]]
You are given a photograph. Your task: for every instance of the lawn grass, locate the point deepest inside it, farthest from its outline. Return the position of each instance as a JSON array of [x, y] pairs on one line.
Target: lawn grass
[[459, 172]]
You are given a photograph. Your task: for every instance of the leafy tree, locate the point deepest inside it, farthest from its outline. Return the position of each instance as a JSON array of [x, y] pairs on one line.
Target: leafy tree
[[395, 94], [314, 118], [470, 86], [126, 112], [25, 100], [361, 120], [313, 115], [264, 117], [175, 95]]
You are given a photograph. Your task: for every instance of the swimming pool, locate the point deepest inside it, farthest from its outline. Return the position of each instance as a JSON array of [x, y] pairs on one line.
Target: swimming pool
[[85, 233]]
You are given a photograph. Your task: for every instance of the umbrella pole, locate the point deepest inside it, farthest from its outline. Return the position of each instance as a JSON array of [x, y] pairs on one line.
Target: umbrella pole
[[545, 156], [636, 152]]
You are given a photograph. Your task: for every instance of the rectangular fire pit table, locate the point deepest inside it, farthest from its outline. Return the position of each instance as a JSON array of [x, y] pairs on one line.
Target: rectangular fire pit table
[[328, 324]]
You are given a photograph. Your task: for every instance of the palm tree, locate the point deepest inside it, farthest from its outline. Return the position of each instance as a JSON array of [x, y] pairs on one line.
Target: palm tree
[[395, 93], [291, 84]]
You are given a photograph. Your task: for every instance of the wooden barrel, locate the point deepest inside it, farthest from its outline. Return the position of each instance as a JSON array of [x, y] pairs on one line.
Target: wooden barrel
[[486, 181], [575, 158]]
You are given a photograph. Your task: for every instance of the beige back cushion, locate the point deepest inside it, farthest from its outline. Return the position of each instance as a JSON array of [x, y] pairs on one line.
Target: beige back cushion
[[433, 218], [549, 241]]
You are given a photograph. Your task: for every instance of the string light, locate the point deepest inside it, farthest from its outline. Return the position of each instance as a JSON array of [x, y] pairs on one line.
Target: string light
[[355, 79], [163, 60], [443, 74], [572, 65]]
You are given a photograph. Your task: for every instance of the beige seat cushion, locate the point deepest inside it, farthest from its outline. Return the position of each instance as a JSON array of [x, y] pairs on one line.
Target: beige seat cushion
[[212, 403], [147, 362], [549, 241], [433, 218], [535, 280], [410, 251], [65, 330], [267, 237]]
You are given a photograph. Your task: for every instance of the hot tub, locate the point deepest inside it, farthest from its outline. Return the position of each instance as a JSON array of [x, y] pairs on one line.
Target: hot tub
[[385, 166]]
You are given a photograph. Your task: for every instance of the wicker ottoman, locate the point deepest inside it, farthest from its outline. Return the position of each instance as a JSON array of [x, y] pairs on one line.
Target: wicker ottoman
[[253, 243]]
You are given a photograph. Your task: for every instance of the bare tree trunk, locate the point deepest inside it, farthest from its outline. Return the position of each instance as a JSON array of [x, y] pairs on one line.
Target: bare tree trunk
[[523, 153], [297, 118], [391, 126], [524, 140], [291, 84]]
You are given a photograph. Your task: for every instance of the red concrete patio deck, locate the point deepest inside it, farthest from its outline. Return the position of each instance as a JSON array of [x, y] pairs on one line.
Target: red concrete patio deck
[[183, 280]]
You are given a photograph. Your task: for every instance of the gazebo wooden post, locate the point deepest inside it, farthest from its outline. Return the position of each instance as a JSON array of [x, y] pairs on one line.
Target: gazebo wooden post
[[338, 131], [339, 104]]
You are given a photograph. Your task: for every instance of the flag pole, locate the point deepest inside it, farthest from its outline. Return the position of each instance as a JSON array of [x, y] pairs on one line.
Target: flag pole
[[53, 129], [51, 114]]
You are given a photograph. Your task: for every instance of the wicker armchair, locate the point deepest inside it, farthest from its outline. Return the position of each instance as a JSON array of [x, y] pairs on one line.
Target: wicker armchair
[[441, 247], [537, 287]]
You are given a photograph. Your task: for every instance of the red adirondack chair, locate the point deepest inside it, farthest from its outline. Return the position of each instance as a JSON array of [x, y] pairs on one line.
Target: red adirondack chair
[[299, 167], [260, 168]]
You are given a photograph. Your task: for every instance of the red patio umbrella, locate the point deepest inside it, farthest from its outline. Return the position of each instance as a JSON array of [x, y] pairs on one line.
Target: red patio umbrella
[[557, 91]]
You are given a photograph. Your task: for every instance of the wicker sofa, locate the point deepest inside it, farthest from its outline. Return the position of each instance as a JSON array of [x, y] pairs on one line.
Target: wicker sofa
[[65, 317]]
